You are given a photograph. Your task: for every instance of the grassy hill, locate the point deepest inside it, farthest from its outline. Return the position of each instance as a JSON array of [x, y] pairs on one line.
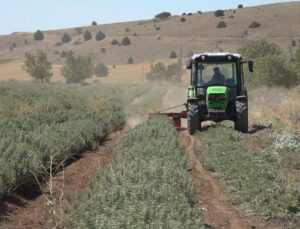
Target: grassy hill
[[156, 39]]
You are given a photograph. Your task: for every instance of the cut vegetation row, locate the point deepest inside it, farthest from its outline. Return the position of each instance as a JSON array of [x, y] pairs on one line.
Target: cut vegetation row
[[147, 185], [256, 180]]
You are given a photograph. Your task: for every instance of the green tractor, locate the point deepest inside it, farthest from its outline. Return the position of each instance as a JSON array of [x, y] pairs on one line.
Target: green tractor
[[217, 90]]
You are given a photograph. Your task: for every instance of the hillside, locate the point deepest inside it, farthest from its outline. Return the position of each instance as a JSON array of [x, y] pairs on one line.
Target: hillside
[[279, 23]]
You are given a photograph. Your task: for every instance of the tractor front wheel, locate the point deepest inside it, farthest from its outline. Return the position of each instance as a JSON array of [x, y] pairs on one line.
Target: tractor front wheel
[[241, 120], [193, 118]]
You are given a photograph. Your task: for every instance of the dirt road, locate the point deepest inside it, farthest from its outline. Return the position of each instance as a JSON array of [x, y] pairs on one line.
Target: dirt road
[[216, 211]]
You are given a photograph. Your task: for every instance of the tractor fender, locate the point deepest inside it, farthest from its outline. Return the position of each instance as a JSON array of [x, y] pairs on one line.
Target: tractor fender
[[241, 98]]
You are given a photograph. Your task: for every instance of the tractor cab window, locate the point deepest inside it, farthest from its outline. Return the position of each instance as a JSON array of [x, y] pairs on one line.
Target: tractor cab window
[[216, 73]]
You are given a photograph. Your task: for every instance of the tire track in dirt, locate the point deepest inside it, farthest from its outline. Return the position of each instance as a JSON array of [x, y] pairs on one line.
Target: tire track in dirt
[[74, 178], [217, 212]]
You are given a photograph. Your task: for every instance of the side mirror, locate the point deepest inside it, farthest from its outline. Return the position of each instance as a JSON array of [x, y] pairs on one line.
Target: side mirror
[[250, 66], [189, 63]]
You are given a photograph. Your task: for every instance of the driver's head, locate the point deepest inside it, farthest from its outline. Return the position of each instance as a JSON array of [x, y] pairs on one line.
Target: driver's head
[[216, 70]]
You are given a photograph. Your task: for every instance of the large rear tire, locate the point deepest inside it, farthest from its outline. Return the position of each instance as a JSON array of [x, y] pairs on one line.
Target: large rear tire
[[241, 120], [193, 118]]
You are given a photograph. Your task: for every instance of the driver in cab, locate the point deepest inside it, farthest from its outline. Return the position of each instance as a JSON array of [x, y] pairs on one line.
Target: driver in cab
[[218, 78]]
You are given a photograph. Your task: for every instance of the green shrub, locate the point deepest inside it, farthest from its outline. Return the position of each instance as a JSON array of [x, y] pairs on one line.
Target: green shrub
[[157, 73], [94, 23], [254, 24], [160, 72], [173, 55], [240, 6], [219, 13], [146, 186], [66, 38], [259, 49], [100, 36], [38, 66], [130, 60], [114, 42], [272, 67], [101, 70], [126, 41], [163, 15], [87, 35], [103, 50], [254, 183], [221, 24], [77, 69], [38, 35], [276, 70], [174, 72], [38, 122], [182, 19], [297, 60]]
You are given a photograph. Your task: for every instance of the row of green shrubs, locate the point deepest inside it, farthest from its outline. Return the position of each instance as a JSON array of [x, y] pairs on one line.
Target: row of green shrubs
[[147, 185], [255, 181], [39, 122]]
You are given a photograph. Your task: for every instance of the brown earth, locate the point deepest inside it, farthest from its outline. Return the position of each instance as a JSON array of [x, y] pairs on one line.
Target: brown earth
[[32, 208], [217, 212]]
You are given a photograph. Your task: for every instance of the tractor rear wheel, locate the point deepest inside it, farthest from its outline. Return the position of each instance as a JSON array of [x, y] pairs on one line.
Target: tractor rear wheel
[[241, 120], [193, 118]]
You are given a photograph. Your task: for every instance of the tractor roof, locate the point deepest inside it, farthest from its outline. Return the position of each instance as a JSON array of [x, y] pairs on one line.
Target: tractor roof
[[216, 54]]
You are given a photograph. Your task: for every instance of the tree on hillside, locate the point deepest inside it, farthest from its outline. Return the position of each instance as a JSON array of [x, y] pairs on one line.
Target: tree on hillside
[[100, 36], [272, 67], [219, 13], [38, 35], [173, 55], [101, 70], [174, 71], [126, 41], [66, 38], [278, 71], [130, 60], [77, 69], [87, 36], [94, 23], [163, 15], [38, 66], [260, 49], [158, 72]]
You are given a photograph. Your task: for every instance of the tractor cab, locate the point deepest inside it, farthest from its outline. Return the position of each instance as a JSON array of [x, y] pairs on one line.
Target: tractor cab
[[217, 90]]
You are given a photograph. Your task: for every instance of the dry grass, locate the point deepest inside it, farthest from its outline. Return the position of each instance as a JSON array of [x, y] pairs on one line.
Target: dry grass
[[279, 105], [121, 74], [198, 33]]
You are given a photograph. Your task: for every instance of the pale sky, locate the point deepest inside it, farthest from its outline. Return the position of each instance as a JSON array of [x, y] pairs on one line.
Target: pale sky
[[30, 15]]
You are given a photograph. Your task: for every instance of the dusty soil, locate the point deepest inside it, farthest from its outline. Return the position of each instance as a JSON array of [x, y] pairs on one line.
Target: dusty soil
[[28, 209]]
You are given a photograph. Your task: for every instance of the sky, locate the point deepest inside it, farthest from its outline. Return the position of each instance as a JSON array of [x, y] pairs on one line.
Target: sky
[[30, 15]]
